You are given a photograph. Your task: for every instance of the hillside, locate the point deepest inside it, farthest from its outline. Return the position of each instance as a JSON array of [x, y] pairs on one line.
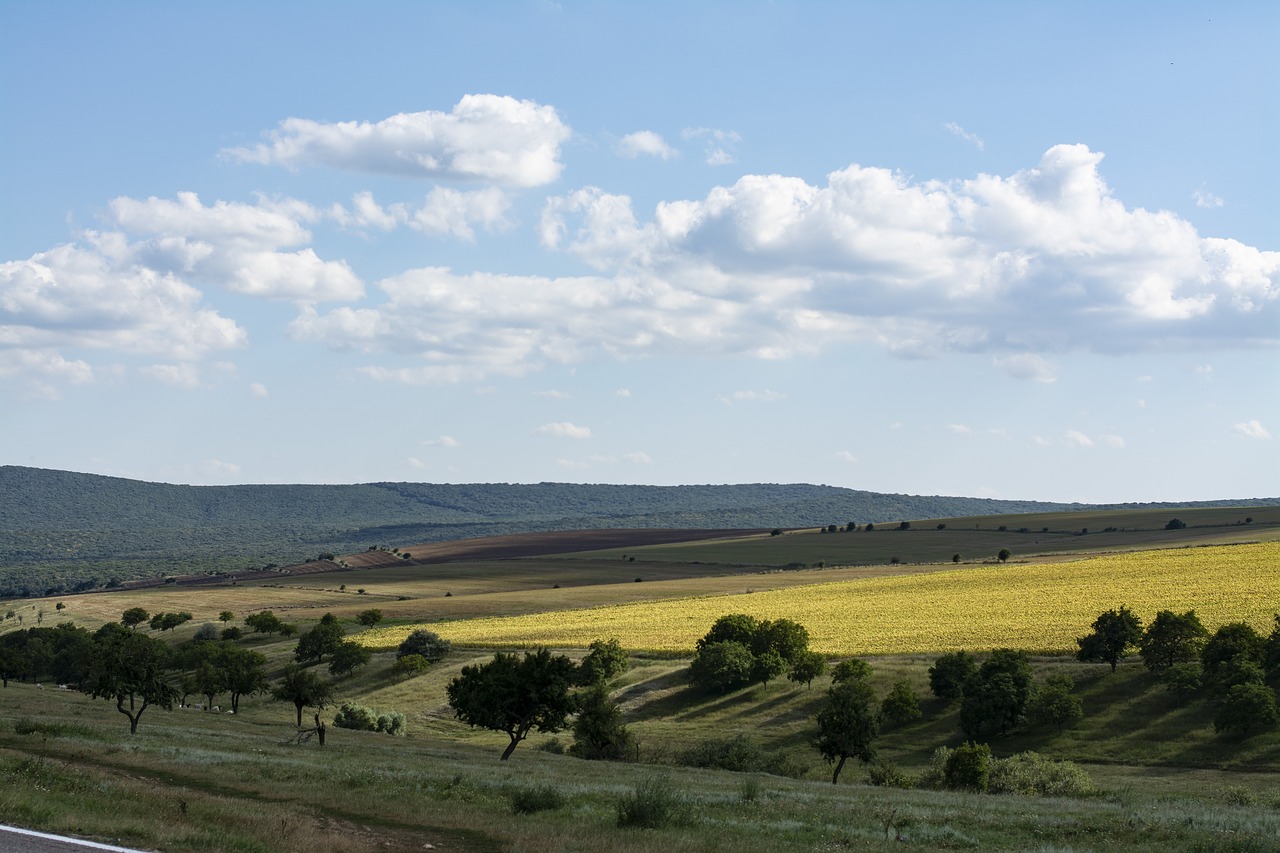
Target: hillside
[[61, 530]]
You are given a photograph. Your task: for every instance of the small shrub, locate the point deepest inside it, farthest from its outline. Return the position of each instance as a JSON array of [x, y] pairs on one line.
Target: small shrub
[[968, 768], [750, 790], [391, 723], [410, 665], [934, 777], [900, 706], [1238, 795], [1032, 774], [653, 804], [553, 745], [885, 774], [357, 717], [207, 631], [429, 644], [737, 753], [543, 798]]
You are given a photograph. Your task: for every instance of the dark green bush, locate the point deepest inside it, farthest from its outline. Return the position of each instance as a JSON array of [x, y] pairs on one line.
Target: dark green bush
[[653, 804], [543, 798]]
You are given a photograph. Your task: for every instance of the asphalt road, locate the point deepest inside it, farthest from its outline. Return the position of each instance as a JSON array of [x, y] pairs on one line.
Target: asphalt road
[[15, 840]]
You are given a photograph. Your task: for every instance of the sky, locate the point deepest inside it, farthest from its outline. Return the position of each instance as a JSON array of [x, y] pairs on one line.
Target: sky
[[1008, 250]]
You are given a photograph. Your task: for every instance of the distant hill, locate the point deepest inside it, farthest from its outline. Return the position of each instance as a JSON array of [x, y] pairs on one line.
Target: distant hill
[[61, 530]]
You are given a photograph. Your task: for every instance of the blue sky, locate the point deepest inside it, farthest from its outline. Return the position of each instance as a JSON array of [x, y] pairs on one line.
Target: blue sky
[[996, 249]]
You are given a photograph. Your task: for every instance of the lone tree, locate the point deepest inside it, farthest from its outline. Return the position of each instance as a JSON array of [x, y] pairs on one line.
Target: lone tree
[[132, 669], [323, 639], [370, 617], [847, 725], [134, 617], [598, 731], [740, 649], [348, 657], [429, 644], [605, 660], [996, 696], [1172, 638], [807, 667], [514, 695], [303, 688], [1055, 702], [1114, 633]]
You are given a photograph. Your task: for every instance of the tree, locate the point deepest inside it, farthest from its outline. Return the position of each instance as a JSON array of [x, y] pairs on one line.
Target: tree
[[731, 628], [1114, 632], [303, 688], [847, 725], [788, 638], [767, 666], [1175, 524], [515, 695], [807, 667], [1231, 642], [134, 617], [996, 696], [1004, 555], [323, 639], [264, 622], [243, 671], [1271, 648], [132, 669], [369, 617], [1055, 703], [1171, 638], [722, 666], [429, 644], [1246, 706], [348, 657], [853, 669], [605, 660], [226, 616], [208, 680], [949, 673], [410, 665], [901, 705], [168, 621], [598, 731]]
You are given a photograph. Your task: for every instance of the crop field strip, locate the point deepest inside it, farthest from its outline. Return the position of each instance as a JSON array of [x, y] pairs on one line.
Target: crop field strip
[[1041, 607]]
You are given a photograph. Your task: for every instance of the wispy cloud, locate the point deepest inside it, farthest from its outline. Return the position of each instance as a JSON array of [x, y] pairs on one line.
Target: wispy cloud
[[1207, 199], [960, 133], [1252, 429], [564, 430], [645, 142]]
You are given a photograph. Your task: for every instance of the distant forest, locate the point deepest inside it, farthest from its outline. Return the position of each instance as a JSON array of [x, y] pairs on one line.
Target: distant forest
[[62, 531]]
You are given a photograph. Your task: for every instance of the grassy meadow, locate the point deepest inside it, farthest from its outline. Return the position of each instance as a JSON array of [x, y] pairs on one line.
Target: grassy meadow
[[1164, 780]]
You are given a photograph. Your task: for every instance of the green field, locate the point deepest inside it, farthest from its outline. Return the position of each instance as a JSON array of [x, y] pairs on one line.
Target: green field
[[198, 781]]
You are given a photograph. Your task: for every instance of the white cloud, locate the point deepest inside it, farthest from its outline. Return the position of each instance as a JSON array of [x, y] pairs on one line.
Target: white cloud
[[719, 144], [1078, 439], [639, 457], [1203, 370], [960, 429], [492, 138], [453, 213], [100, 298], [1252, 429], [182, 375], [442, 441], [234, 245], [553, 394], [1041, 262], [622, 392], [645, 142], [414, 462], [218, 468], [1041, 441], [1113, 441], [751, 397], [257, 389], [1027, 366], [846, 456], [1207, 199], [564, 430], [960, 133]]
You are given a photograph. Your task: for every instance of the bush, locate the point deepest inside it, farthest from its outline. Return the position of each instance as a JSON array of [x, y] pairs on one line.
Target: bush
[[429, 644], [598, 731], [357, 717], [934, 777], [207, 631], [391, 723], [968, 768], [605, 661], [722, 666], [900, 706], [853, 669], [949, 673], [543, 798], [1183, 678], [1032, 774], [885, 774], [231, 634], [410, 665], [738, 753], [653, 804], [1246, 706]]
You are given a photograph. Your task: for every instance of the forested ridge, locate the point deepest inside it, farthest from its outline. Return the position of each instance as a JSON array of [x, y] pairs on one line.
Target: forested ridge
[[61, 530]]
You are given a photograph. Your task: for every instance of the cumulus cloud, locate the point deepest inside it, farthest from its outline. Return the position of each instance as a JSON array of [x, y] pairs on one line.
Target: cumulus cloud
[[846, 456], [181, 375], [454, 213], [1113, 441], [960, 133], [622, 392], [442, 441], [1023, 266], [491, 138], [1252, 429], [103, 298], [257, 389], [959, 429], [645, 142], [564, 430], [639, 457], [239, 246]]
